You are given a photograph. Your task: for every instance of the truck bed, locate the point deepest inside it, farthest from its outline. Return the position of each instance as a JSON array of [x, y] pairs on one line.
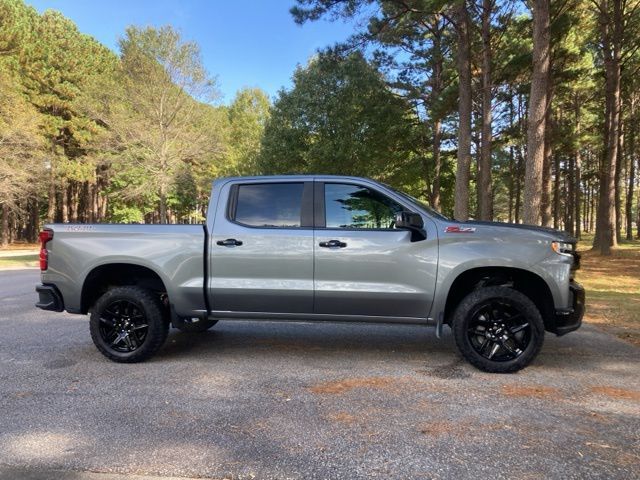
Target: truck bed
[[175, 253]]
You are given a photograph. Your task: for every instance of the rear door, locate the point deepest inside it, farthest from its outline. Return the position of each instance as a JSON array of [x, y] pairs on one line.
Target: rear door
[[363, 264], [262, 248]]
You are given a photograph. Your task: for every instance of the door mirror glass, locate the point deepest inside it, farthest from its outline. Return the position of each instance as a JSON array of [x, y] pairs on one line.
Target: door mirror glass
[[409, 220], [412, 221]]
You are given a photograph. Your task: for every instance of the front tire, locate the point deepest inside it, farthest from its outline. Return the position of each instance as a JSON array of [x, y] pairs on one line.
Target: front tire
[[498, 329], [128, 324]]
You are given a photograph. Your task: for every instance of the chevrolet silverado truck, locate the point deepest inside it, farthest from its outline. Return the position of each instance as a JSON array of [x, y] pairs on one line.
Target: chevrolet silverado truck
[[316, 248]]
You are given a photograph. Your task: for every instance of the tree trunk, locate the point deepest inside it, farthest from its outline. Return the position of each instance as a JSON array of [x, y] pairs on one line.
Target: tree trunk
[[437, 86], [569, 179], [592, 220], [638, 219], [51, 208], [585, 207], [577, 197], [606, 218], [556, 192], [485, 195], [519, 168], [64, 204], [632, 174], [33, 221], [547, 165], [461, 205], [10, 227], [437, 160], [74, 201], [618, 181], [537, 111], [511, 182], [162, 197], [4, 232]]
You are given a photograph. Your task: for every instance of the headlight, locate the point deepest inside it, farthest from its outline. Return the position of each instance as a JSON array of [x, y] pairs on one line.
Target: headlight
[[563, 248]]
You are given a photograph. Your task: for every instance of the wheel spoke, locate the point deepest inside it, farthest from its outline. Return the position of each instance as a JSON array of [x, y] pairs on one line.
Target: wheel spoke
[[494, 350], [507, 347], [518, 328], [108, 322], [140, 327], [121, 336], [129, 343], [485, 346]]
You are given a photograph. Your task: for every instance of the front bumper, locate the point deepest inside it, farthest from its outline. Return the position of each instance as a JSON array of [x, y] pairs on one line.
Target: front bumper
[[570, 319], [49, 298]]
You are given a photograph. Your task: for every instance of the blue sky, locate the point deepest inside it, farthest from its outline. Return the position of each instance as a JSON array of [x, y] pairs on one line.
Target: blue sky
[[249, 43]]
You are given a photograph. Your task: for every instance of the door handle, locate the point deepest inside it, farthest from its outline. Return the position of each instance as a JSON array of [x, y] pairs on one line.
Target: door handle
[[229, 242], [333, 244]]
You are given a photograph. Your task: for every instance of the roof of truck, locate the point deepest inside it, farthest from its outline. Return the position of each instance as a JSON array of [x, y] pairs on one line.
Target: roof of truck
[[294, 177]]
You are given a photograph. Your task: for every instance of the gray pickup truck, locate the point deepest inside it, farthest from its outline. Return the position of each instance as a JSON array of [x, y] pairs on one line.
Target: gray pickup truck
[[323, 248]]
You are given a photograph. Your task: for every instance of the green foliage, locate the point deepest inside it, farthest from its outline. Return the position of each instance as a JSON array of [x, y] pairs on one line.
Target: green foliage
[[248, 115], [138, 136], [21, 165], [339, 118]]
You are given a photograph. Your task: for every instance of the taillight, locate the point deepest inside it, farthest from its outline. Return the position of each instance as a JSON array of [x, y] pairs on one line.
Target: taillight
[[44, 237]]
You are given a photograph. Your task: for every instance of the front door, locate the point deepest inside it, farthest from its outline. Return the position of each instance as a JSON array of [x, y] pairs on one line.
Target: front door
[[262, 249], [363, 264]]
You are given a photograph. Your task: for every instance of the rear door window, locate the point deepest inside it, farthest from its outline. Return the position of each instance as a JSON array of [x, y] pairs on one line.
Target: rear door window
[[269, 205]]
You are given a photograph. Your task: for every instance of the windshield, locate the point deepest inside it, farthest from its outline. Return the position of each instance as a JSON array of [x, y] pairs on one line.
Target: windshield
[[418, 203]]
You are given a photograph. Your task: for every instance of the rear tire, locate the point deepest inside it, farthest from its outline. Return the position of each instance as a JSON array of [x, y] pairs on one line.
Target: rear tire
[[128, 324], [498, 329]]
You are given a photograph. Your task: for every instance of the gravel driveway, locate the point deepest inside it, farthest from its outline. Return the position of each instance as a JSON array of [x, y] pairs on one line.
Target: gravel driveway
[[303, 401]]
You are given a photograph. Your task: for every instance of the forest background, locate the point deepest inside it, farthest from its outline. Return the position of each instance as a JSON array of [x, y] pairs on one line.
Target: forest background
[[489, 109]]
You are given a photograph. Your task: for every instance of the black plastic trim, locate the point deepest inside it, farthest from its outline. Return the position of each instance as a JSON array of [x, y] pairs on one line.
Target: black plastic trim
[[568, 320], [49, 298], [306, 211], [205, 270], [318, 203]]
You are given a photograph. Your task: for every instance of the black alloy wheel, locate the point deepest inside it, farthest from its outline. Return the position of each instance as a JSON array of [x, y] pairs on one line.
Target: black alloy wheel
[[498, 329], [128, 324], [123, 326]]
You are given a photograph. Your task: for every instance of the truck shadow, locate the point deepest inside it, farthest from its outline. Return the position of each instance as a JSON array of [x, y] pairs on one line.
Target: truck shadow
[[275, 338], [260, 340]]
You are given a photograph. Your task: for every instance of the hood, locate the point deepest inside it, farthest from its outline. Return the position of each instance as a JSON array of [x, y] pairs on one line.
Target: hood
[[559, 235]]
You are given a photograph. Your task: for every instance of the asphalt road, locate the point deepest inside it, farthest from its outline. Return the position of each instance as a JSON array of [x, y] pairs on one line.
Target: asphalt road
[[303, 401]]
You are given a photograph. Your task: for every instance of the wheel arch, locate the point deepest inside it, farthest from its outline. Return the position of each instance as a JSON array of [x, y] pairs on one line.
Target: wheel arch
[[528, 283], [103, 277]]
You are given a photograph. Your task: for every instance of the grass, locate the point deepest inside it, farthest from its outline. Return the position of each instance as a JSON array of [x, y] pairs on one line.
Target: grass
[[19, 261], [613, 288], [20, 246]]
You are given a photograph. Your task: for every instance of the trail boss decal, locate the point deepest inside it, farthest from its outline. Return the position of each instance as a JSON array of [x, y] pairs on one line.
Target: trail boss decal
[[458, 229]]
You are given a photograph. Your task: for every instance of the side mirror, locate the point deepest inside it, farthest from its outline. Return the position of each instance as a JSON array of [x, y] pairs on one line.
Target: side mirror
[[412, 221]]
